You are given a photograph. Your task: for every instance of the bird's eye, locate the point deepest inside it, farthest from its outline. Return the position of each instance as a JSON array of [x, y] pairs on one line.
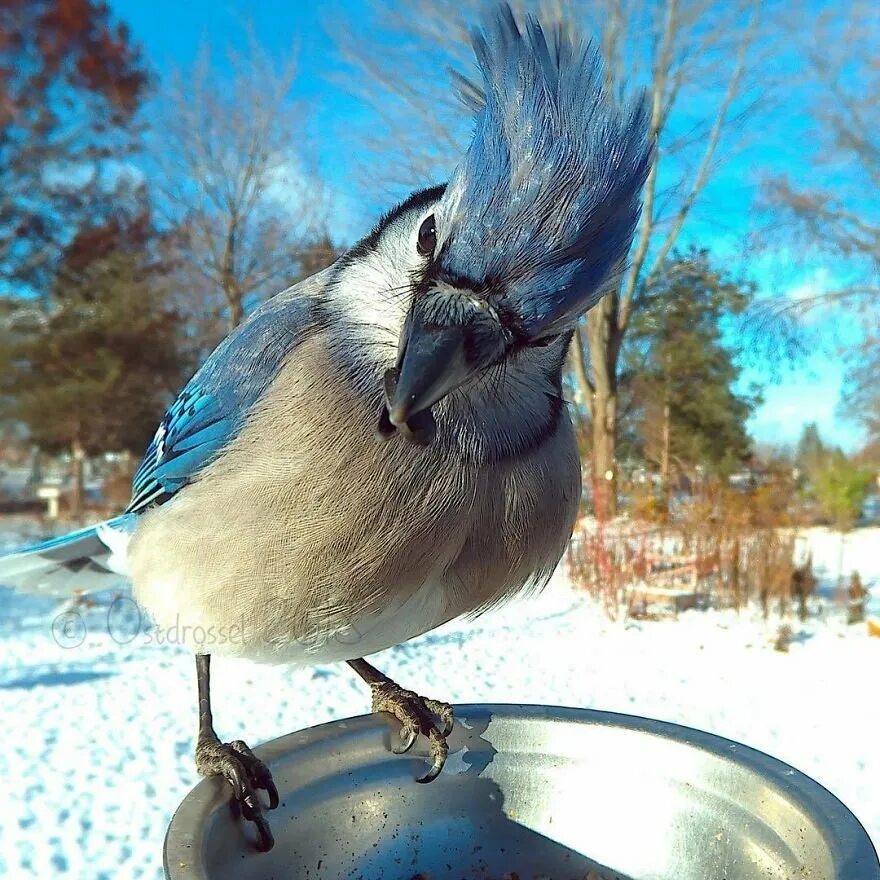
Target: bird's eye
[[427, 240], [544, 341]]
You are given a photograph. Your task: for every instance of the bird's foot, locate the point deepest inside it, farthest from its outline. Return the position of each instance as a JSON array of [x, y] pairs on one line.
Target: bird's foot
[[417, 715], [246, 773]]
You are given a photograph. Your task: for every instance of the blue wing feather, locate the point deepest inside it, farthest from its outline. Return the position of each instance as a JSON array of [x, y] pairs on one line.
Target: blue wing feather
[[214, 404]]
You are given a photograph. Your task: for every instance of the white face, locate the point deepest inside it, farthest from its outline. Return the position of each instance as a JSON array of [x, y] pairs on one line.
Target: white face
[[382, 278], [372, 297]]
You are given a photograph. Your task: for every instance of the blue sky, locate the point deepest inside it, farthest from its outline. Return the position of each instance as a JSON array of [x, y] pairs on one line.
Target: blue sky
[[172, 34], [172, 31]]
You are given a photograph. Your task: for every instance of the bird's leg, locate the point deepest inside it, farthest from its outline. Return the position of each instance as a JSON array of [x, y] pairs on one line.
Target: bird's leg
[[417, 715], [244, 771]]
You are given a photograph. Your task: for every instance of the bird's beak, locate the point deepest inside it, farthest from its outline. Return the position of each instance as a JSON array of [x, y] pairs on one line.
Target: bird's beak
[[431, 363], [439, 350]]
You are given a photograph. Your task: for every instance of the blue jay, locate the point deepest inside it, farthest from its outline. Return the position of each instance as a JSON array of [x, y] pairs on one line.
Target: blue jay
[[385, 446]]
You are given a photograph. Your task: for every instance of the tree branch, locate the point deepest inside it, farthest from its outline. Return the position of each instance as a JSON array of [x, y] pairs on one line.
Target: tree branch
[[702, 174], [661, 70]]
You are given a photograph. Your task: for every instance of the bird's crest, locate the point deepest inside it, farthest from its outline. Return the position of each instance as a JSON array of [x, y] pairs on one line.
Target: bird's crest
[[546, 199]]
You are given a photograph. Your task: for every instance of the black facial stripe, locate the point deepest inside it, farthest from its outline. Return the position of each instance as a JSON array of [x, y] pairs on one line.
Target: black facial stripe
[[544, 431], [436, 272], [421, 199]]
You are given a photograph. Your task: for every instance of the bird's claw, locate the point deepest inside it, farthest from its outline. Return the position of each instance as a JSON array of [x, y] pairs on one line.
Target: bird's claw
[[416, 716], [259, 772], [246, 773], [408, 736], [444, 712]]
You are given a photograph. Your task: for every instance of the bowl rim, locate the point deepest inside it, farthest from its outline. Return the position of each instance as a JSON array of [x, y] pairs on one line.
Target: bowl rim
[[850, 842]]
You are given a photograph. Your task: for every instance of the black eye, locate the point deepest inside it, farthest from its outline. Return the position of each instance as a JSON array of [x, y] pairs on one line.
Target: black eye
[[427, 240], [544, 341]]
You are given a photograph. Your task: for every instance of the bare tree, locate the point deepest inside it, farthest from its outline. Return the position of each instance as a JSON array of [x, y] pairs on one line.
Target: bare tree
[[697, 58], [829, 213], [71, 87], [861, 401], [833, 206], [236, 180]]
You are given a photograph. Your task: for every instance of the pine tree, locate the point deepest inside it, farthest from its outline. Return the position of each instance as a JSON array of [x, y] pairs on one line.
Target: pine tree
[[840, 486], [91, 368], [688, 411], [811, 450]]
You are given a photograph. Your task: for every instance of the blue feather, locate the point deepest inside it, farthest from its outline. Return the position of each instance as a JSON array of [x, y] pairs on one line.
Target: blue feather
[[545, 202], [214, 405]]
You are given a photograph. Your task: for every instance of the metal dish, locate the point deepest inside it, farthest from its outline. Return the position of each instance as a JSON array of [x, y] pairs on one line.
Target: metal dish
[[539, 791]]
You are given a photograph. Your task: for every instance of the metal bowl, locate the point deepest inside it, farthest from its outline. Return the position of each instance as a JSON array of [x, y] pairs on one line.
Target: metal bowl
[[528, 791]]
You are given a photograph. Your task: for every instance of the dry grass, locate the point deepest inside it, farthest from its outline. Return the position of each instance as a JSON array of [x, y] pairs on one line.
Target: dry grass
[[723, 549]]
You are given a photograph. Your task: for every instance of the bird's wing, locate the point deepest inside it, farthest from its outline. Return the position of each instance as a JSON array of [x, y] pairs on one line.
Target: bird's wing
[[194, 429], [213, 405], [90, 559]]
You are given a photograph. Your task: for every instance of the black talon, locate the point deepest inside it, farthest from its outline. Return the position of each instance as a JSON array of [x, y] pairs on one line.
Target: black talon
[[434, 772], [444, 712], [272, 792], [262, 778], [416, 715], [246, 774], [440, 751], [255, 815], [235, 762], [406, 744]]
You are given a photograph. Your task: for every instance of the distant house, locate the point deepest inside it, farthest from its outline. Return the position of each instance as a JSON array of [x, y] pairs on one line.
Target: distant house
[[871, 511]]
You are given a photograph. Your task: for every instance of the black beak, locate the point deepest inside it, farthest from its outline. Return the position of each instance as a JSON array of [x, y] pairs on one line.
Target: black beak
[[432, 362]]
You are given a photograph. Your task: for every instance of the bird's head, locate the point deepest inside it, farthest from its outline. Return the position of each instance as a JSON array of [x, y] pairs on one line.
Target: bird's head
[[534, 219]]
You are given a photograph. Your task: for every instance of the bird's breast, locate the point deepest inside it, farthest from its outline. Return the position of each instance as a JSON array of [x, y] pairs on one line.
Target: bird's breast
[[323, 542]]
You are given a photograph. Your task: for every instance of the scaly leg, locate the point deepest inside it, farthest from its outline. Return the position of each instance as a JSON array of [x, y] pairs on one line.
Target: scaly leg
[[415, 714], [244, 771]]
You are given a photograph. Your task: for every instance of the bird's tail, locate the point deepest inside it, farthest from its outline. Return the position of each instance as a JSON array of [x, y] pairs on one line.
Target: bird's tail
[[84, 561]]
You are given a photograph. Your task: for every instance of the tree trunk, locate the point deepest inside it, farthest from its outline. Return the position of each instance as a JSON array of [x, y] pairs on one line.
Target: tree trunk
[[604, 449], [236, 313], [584, 395], [664, 454], [234, 301], [231, 287], [77, 454], [604, 339]]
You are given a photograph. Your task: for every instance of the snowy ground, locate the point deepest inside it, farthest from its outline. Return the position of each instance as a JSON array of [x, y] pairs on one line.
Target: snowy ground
[[99, 735]]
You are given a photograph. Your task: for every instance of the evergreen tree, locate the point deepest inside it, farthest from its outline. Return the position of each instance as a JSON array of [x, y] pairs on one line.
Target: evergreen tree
[[688, 413], [91, 367], [811, 450], [840, 486]]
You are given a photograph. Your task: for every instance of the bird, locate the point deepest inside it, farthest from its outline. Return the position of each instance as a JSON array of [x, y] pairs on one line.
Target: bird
[[386, 445]]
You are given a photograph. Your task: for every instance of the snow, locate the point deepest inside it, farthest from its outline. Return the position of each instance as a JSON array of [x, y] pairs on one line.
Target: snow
[[99, 734]]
